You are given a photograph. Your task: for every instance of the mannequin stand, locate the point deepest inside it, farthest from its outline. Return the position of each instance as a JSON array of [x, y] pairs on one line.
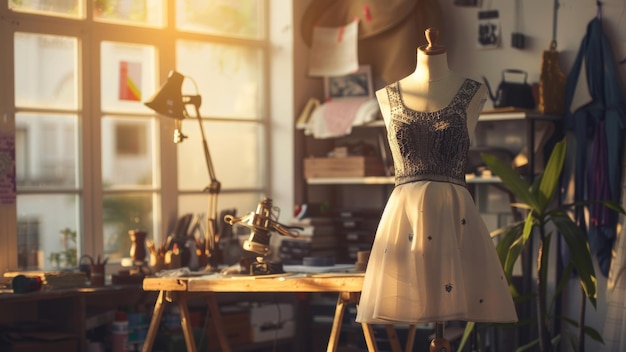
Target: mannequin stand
[[439, 343]]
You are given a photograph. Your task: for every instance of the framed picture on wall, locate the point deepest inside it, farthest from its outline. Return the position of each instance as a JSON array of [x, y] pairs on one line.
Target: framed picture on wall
[[488, 29], [466, 2], [354, 85]]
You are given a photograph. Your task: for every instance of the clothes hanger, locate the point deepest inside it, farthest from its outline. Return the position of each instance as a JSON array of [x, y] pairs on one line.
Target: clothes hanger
[[622, 61], [599, 16]]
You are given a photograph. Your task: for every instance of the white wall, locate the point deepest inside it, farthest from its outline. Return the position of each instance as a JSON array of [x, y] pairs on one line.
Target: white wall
[[534, 19]]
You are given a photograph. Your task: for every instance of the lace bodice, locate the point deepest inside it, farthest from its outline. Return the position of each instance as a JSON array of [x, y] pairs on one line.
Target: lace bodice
[[430, 145]]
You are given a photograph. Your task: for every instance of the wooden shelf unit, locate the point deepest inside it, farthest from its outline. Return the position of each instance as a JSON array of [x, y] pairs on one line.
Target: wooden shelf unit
[[71, 311]]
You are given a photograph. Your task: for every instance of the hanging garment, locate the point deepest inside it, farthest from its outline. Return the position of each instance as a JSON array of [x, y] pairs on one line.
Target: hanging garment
[[432, 257], [388, 33], [597, 125], [614, 334], [334, 51]]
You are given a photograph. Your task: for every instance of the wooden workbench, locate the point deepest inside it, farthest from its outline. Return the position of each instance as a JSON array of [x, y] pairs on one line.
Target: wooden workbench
[[180, 289]]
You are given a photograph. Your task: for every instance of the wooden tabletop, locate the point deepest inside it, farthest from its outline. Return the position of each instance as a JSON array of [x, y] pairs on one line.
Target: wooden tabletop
[[290, 282]]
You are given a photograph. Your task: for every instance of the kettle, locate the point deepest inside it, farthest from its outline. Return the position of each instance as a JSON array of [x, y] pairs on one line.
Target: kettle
[[512, 94]]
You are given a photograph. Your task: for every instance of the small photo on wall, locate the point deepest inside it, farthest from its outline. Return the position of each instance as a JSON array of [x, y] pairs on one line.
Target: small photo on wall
[[354, 85], [488, 29], [473, 3]]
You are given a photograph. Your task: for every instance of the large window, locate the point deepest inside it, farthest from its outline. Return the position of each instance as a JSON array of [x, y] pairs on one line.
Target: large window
[[90, 160]]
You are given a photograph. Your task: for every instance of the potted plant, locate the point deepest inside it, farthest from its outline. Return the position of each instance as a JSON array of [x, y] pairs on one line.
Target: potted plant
[[67, 257], [543, 214]]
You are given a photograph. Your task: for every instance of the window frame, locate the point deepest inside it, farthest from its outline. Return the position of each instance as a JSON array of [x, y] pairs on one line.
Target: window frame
[[90, 34]]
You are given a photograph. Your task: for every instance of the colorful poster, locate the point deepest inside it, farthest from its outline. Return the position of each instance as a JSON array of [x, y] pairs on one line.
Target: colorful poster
[[7, 168], [130, 78]]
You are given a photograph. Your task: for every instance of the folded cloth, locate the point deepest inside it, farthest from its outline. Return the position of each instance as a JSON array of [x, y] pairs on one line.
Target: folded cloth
[[335, 118], [367, 112]]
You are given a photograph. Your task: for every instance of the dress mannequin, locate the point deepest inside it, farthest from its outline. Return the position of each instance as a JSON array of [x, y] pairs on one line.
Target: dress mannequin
[[432, 259], [432, 85]]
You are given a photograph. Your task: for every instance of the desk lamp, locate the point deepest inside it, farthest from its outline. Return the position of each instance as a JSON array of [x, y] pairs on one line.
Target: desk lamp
[[169, 101]]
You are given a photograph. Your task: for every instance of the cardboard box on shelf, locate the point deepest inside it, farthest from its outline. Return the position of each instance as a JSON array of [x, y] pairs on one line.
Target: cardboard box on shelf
[[351, 166], [272, 321], [236, 327], [63, 345]]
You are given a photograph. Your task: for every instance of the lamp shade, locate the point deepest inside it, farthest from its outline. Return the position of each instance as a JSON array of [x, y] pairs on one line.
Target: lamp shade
[[168, 100]]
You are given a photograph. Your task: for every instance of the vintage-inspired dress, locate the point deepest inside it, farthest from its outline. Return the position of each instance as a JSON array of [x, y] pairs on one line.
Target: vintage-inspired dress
[[432, 258]]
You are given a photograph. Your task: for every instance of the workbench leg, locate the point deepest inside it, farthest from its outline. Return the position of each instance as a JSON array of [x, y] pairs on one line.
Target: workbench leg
[[185, 323], [154, 322], [393, 338], [410, 339], [347, 298], [337, 320], [216, 317], [369, 337]]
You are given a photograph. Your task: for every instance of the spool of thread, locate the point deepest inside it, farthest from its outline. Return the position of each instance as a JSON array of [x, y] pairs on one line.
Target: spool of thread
[[119, 332], [362, 257], [24, 284], [96, 275]]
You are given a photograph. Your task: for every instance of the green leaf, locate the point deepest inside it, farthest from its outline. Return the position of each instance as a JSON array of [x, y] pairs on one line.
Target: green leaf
[[513, 180], [516, 248], [534, 187], [509, 236], [580, 254], [556, 339], [565, 276], [544, 253], [503, 231], [573, 342], [515, 251], [528, 227], [528, 346], [521, 206], [614, 206], [466, 334], [589, 331], [593, 333], [551, 175]]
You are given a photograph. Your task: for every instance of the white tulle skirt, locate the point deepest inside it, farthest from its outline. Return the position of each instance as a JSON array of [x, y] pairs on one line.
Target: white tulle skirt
[[433, 260]]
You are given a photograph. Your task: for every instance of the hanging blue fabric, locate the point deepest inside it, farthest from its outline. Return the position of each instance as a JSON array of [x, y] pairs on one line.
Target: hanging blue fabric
[[598, 126]]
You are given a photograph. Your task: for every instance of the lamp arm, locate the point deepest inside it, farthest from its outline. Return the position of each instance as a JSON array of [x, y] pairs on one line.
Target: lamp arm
[[286, 230], [214, 186], [213, 189]]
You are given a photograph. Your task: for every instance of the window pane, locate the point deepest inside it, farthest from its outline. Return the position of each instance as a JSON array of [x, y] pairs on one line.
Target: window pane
[[243, 202], [228, 77], [42, 241], [237, 151], [128, 152], [46, 152], [133, 12], [124, 212], [240, 18], [127, 70], [45, 71], [64, 8]]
